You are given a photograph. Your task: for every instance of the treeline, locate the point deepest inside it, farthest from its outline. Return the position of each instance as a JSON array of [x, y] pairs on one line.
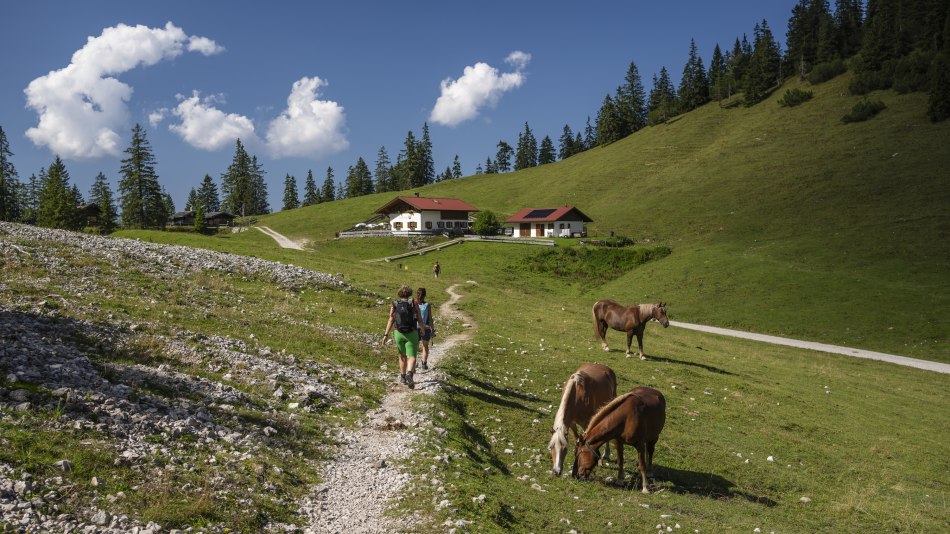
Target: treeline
[[49, 199]]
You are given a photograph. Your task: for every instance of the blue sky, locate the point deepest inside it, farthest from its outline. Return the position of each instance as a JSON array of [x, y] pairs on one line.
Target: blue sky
[[311, 85]]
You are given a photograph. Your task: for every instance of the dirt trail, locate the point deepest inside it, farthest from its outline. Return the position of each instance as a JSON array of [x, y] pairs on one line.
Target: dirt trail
[[360, 481], [282, 240]]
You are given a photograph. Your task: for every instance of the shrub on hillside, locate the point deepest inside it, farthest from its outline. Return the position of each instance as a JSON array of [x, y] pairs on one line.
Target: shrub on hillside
[[864, 82], [912, 72], [823, 72], [591, 264], [864, 110], [486, 223], [938, 105], [794, 97]]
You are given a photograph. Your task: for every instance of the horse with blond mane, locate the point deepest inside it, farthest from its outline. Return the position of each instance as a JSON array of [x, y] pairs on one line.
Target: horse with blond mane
[[634, 418], [632, 320], [585, 392]]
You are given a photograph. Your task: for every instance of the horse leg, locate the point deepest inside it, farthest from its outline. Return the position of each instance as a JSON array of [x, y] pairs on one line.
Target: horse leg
[[642, 464], [619, 445], [629, 341], [602, 331], [640, 344], [650, 448]]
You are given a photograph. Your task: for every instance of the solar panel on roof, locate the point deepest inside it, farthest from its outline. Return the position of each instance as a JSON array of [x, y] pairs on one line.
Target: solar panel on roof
[[539, 214]]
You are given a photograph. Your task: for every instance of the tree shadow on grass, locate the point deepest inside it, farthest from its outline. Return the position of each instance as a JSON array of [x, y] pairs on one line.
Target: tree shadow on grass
[[502, 395], [473, 442]]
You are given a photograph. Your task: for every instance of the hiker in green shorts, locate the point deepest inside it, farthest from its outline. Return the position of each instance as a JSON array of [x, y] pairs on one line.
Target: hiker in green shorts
[[406, 323]]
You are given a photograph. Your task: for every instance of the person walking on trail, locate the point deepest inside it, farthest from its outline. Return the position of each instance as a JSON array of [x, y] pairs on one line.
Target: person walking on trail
[[406, 322], [436, 269], [428, 323]]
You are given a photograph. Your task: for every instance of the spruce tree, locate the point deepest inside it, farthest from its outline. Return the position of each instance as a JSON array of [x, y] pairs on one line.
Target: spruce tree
[[526, 155], [546, 152], [566, 143], [237, 184], [328, 192], [663, 103], [57, 204], [311, 195], [848, 26], [764, 67], [168, 207], [101, 194], [426, 159], [259, 188], [290, 191], [490, 167], [938, 105], [409, 167], [140, 194], [359, 181], [718, 85], [10, 208], [608, 123], [590, 138], [383, 171], [631, 102], [694, 86], [192, 202], [503, 157], [456, 167], [201, 225], [208, 195]]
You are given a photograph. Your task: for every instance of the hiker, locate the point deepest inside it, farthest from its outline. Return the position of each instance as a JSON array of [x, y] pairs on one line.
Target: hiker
[[428, 323], [436, 269], [406, 323]]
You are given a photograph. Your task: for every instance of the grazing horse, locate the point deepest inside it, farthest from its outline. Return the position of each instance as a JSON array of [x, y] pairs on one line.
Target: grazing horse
[[635, 418], [586, 391], [632, 320]]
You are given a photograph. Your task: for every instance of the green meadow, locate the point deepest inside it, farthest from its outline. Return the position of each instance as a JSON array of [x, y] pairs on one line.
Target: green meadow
[[768, 219]]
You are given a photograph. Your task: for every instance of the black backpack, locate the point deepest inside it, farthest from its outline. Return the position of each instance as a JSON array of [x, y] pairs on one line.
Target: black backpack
[[404, 316]]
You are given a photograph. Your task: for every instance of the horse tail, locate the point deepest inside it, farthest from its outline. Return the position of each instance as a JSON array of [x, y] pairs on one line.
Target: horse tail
[[596, 322], [603, 412], [559, 434]]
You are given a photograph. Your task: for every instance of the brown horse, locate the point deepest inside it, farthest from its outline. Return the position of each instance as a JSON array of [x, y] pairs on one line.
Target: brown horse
[[632, 320], [585, 392], [635, 418]]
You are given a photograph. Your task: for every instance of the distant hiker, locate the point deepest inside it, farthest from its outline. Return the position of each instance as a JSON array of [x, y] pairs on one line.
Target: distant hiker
[[405, 317], [428, 323], [436, 269]]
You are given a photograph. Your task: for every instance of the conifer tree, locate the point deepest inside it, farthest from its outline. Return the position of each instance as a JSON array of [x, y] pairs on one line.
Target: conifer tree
[[718, 85], [101, 195], [384, 181], [938, 103], [764, 72], [663, 102], [208, 195], [409, 167], [566, 143], [291, 201], [201, 224], [141, 199], [848, 26], [456, 167], [490, 167], [192, 202], [631, 102], [426, 159], [259, 188], [546, 152], [503, 157], [243, 186], [359, 181], [30, 197], [608, 123], [478, 169], [168, 206], [340, 191], [10, 208], [57, 204], [328, 192], [526, 155], [694, 86], [590, 138], [311, 195]]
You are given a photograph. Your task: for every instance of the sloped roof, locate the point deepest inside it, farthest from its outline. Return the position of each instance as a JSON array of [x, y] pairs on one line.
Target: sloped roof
[[529, 215], [425, 204]]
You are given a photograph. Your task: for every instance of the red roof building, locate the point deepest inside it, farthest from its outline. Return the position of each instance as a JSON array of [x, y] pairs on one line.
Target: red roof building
[[564, 221], [410, 215]]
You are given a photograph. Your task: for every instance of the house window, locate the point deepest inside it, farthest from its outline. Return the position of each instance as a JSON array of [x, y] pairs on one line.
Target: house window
[[397, 226], [458, 224], [413, 225], [560, 226], [428, 225], [441, 224], [551, 226]]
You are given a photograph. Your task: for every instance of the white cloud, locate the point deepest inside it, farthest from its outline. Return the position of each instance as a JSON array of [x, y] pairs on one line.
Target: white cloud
[[518, 59], [82, 106], [308, 127], [480, 86], [206, 127], [157, 116]]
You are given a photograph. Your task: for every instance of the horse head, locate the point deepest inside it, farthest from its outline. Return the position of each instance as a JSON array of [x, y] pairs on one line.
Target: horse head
[[659, 313], [585, 458]]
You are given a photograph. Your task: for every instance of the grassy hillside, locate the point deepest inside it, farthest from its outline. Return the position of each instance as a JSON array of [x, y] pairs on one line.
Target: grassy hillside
[[784, 221]]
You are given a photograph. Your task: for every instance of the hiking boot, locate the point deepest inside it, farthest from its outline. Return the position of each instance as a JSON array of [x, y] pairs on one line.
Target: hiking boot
[[425, 366], [409, 382], [402, 379]]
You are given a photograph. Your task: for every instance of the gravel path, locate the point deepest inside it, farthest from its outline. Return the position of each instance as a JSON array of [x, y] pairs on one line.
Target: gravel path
[[360, 482], [282, 240], [822, 347]]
